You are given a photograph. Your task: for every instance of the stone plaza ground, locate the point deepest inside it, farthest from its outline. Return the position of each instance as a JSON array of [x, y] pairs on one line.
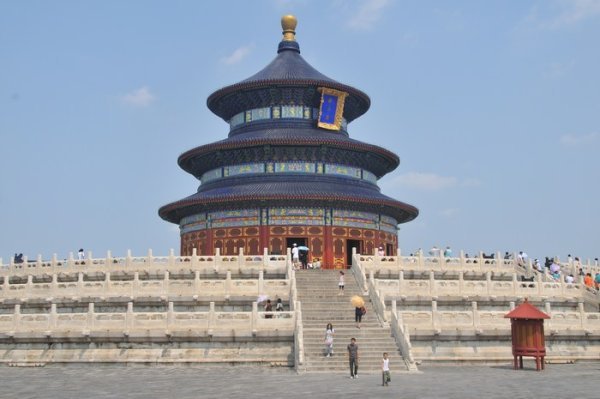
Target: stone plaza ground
[[97, 381]]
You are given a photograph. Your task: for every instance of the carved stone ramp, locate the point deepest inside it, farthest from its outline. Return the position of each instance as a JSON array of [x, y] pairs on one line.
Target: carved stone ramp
[[321, 304]]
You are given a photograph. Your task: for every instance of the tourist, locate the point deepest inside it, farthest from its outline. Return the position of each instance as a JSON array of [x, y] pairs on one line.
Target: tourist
[[80, 254], [279, 305], [538, 265], [18, 258], [303, 255], [385, 370], [295, 256], [597, 281], [522, 258], [358, 314], [341, 284], [329, 331], [269, 309], [595, 261], [353, 358], [588, 280], [434, 251], [448, 252], [570, 279], [507, 255], [381, 252]]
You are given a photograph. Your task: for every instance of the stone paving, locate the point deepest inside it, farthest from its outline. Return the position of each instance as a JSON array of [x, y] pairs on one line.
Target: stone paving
[[98, 381]]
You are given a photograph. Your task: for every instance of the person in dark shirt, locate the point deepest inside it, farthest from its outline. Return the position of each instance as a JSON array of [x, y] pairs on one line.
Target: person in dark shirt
[[353, 358]]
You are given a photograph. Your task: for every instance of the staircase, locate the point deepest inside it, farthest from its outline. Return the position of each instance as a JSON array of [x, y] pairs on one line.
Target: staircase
[[321, 304]]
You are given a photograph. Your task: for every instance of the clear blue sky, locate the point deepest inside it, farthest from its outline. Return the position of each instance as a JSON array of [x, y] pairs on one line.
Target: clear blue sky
[[492, 106]]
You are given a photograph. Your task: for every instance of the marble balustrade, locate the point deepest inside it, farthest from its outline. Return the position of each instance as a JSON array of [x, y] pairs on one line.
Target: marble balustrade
[[157, 324], [163, 287]]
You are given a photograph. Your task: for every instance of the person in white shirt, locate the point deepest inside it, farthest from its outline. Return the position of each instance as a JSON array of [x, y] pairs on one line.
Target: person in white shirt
[[385, 370], [569, 279], [295, 255], [81, 254]]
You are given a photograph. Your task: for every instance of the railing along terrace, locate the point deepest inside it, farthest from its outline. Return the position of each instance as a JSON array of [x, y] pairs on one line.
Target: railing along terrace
[[432, 287], [164, 287], [271, 264], [17, 325], [422, 262], [480, 321]]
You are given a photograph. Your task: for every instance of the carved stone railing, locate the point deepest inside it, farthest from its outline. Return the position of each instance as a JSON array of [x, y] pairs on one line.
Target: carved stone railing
[[402, 338], [206, 264], [402, 288], [392, 264], [299, 362], [17, 325], [358, 271], [437, 321], [164, 287]]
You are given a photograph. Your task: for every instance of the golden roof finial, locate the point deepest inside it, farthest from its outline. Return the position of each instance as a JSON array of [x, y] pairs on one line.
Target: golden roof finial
[[288, 24]]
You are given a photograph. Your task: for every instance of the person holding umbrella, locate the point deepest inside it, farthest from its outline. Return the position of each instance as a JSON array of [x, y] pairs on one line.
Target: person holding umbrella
[[359, 309]]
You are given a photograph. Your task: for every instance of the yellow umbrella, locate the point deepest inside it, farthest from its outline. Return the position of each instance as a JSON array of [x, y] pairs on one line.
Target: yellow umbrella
[[357, 301]]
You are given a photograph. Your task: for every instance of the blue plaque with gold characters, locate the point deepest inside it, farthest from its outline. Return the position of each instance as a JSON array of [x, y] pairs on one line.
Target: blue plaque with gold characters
[[331, 109]]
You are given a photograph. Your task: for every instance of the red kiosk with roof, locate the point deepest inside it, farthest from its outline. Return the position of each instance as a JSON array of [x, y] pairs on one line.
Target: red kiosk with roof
[[527, 328]]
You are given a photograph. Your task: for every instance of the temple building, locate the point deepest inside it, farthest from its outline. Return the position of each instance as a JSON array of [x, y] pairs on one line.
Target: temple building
[[288, 172]]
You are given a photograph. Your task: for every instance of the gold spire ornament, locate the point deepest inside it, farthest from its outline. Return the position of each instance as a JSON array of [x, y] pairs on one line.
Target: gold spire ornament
[[288, 24]]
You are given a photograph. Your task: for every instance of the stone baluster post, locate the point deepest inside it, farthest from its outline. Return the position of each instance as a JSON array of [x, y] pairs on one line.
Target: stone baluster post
[[17, 318], [90, 259], [401, 288], [511, 305], [6, 285], [135, 285], [211, 318], [108, 259], [218, 259], [462, 260], [420, 260], [399, 260], [261, 282], [432, 286], [476, 320], [54, 285], [79, 285], [171, 260], [255, 316], [435, 317], [38, 262], [461, 283], [29, 284], [228, 284], [266, 257], [170, 317], [129, 319], [488, 282], [52, 319], [91, 317], [70, 261], [515, 283], [165, 285], [128, 259], [54, 263], [582, 314], [150, 258], [107, 283], [196, 282], [241, 261], [194, 258]]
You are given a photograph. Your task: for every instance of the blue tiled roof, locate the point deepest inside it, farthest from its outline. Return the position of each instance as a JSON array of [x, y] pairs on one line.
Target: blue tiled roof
[[302, 188], [287, 69]]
